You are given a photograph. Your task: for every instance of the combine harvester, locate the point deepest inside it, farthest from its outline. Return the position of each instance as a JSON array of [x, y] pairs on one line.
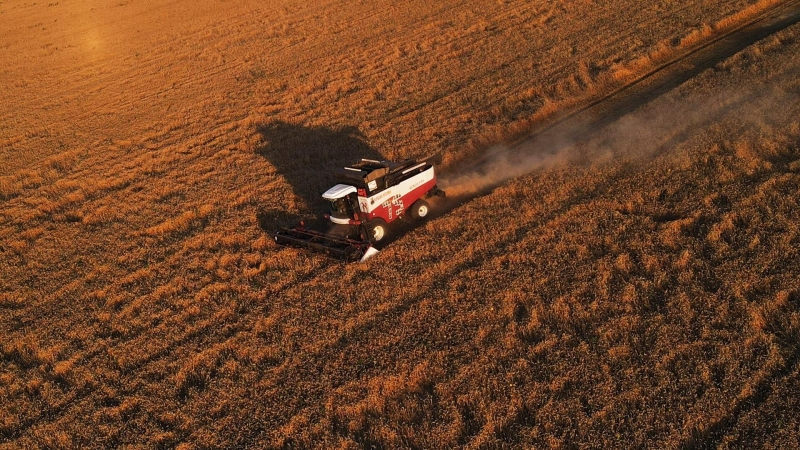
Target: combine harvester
[[370, 195]]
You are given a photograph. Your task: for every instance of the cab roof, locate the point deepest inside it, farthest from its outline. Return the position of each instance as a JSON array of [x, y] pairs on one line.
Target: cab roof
[[338, 191]]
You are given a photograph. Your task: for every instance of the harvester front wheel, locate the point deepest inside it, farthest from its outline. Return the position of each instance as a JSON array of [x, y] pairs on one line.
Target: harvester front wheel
[[376, 230], [420, 209]]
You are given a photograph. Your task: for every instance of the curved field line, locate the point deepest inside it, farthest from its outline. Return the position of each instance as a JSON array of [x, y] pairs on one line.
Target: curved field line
[[579, 124], [585, 120]]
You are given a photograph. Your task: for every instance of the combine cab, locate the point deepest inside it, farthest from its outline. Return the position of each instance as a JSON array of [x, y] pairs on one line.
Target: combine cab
[[370, 195]]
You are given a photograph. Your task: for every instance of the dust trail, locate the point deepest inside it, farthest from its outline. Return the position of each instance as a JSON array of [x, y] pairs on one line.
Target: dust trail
[[501, 163], [653, 129]]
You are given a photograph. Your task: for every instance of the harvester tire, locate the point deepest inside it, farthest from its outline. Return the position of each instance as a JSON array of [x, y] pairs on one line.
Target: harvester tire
[[376, 230], [420, 209]]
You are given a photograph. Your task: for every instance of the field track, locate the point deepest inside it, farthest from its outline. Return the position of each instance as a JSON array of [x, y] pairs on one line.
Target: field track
[[550, 137], [579, 123]]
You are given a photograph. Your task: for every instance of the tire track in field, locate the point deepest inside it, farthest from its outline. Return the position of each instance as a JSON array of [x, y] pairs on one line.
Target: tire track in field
[[581, 123]]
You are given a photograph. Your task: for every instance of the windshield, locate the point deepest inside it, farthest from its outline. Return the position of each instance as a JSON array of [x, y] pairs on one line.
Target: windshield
[[339, 208]]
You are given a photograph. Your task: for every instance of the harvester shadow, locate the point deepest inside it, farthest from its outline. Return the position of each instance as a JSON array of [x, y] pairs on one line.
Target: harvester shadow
[[306, 156]]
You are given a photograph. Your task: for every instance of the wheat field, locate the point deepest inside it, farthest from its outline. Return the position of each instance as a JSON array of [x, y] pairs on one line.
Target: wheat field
[[637, 287]]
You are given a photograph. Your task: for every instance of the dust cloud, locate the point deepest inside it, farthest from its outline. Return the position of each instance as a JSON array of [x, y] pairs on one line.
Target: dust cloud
[[648, 131], [501, 163]]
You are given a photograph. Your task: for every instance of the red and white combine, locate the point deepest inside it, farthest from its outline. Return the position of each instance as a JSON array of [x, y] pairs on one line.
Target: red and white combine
[[370, 195]]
